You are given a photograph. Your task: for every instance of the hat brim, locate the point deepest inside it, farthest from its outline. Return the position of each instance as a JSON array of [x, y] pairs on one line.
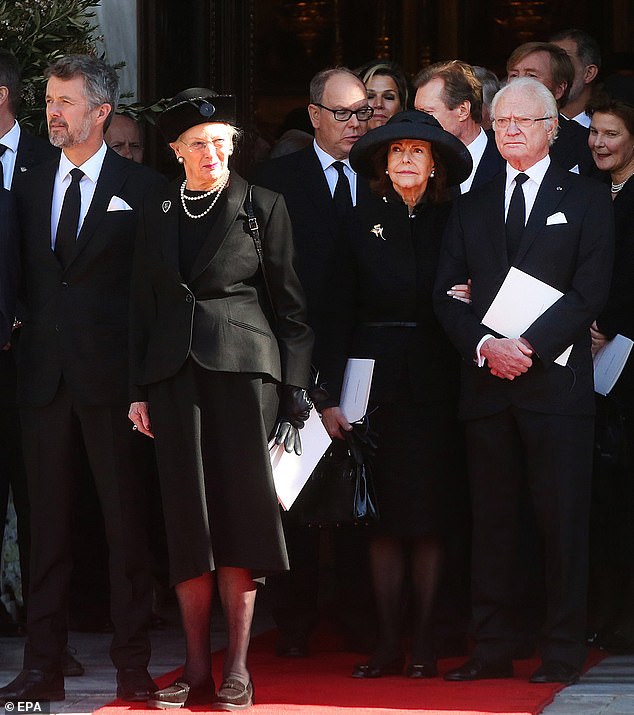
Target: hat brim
[[413, 125], [188, 113]]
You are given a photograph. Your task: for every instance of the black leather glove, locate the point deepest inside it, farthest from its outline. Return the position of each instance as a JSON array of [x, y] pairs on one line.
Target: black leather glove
[[293, 411]]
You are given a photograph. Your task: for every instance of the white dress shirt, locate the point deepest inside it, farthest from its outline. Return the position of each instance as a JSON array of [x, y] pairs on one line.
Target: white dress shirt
[[87, 185], [11, 140], [476, 149], [331, 173]]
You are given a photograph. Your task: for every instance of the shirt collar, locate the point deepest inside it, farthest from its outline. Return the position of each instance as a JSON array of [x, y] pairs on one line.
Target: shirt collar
[[91, 167], [535, 172], [326, 160], [12, 138]]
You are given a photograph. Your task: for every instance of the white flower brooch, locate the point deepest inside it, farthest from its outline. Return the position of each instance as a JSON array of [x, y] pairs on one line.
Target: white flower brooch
[[377, 230]]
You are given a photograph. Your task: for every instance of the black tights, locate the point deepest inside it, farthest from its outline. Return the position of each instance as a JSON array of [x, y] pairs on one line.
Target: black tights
[[391, 558]]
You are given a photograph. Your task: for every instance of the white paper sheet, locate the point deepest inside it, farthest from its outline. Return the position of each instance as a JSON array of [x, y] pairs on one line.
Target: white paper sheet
[[609, 363], [355, 391], [517, 305], [290, 471]]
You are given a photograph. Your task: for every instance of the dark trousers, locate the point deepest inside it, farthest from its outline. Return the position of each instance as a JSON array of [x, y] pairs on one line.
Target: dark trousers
[[12, 473], [52, 437], [551, 455]]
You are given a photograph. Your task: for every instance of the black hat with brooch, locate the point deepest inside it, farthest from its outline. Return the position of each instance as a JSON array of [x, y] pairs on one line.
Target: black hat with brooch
[[413, 125], [193, 106]]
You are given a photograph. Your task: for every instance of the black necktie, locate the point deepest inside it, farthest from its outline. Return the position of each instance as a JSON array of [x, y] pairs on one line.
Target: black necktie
[[3, 148], [515, 218], [69, 220], [342, 198]]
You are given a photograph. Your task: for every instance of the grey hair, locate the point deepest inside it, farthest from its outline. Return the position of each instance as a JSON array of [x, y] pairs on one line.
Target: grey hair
[[101, 82], [535, 89]]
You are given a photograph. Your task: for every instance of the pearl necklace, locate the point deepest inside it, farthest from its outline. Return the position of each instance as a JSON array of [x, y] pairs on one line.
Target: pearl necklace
[[617, 187], [223, 183]]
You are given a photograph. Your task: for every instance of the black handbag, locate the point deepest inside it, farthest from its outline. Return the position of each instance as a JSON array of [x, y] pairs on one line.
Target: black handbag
[[340, 491]]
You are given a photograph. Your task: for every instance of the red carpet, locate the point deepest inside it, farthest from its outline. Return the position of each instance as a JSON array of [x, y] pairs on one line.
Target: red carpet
[[321, 685]]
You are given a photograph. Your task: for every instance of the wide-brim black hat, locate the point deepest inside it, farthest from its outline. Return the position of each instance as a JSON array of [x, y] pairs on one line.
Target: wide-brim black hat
[[413, 125], [193, 106]]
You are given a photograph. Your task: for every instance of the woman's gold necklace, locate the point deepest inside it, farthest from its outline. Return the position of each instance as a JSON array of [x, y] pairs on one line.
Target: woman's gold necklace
[[223, 183]]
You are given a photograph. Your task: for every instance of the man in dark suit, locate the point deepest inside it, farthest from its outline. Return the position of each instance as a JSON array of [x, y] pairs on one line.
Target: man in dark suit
[[313, 188], [77, 221], [19, 151], [528, 419], [451, 93], [550, 65]]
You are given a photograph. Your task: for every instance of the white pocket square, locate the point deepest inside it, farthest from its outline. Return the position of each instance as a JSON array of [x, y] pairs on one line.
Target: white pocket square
[[117, 204], [556, 218]]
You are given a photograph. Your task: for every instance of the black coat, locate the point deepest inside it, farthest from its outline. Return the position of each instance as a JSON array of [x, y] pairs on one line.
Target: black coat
[[31, 152], [76, 321], [395, 259], [9, 264], [219, 316], [575, 257]]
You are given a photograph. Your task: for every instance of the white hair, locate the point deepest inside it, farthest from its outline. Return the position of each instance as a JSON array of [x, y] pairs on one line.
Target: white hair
[[533, 89]]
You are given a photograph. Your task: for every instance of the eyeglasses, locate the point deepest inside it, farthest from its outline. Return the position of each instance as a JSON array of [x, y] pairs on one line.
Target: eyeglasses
[[342, 115], [503, 123], [199, 145]]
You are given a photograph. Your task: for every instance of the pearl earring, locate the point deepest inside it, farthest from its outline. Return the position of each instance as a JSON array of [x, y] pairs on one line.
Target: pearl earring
[[387, 173], [180, 160], [432, 173]]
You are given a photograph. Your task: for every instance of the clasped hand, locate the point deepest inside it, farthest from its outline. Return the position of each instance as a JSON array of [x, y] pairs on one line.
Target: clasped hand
[[294, 410], [507, 358]]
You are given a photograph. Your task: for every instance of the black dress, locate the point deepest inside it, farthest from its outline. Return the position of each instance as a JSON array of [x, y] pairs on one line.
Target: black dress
[[414, 391]]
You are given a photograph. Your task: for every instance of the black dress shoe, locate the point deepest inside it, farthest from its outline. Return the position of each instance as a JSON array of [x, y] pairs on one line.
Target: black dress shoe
[[135, 684], [422, 670], [292, 648], [181, 694], [34, 685], [555, 671], [373, 669], [478, 669], [71, 667]]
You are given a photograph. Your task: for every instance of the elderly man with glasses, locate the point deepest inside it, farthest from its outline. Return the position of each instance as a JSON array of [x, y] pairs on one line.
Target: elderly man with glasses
[[528, 409]]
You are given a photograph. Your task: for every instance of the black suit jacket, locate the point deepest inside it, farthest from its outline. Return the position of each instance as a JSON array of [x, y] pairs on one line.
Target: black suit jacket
[[9, 264], [491, 163], [31, 152], [76, 321], [571, 148], [324, 260], [219, 316], [575, 257]]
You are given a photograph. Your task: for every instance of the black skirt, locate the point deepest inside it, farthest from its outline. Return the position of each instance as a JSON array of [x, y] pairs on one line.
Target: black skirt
[[219, 500]]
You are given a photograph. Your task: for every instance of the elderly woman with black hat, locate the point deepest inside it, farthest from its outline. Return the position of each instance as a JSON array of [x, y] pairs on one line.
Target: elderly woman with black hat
[[395, 240], [218, 333]]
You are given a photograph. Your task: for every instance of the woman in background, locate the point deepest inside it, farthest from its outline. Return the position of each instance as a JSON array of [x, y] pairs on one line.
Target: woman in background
[[387, 90]]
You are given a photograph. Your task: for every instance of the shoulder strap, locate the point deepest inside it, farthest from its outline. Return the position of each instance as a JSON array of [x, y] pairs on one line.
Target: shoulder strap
[[254, 230]]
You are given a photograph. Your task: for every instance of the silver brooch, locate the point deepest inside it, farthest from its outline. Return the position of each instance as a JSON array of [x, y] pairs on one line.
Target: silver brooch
[[166, 206], [560, 188], [377, 230]]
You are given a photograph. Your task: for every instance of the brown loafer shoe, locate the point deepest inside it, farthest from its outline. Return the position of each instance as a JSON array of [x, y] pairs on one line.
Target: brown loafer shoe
[[234, 695], [181, 694]]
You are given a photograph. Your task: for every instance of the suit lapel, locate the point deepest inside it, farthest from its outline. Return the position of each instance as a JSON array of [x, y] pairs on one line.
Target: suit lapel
[[111, 177], [167, 227], [553, 188], [49, 181], [236, 194], [311, 178], [495, 211]]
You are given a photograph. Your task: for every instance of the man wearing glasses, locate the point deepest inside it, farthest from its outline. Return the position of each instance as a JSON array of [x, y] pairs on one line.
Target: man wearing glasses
[[320, 190], [529, 420]]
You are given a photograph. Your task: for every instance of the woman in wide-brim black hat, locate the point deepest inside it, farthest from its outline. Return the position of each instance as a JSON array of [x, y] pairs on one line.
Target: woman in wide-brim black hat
[[212, 351], [395, 241]]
